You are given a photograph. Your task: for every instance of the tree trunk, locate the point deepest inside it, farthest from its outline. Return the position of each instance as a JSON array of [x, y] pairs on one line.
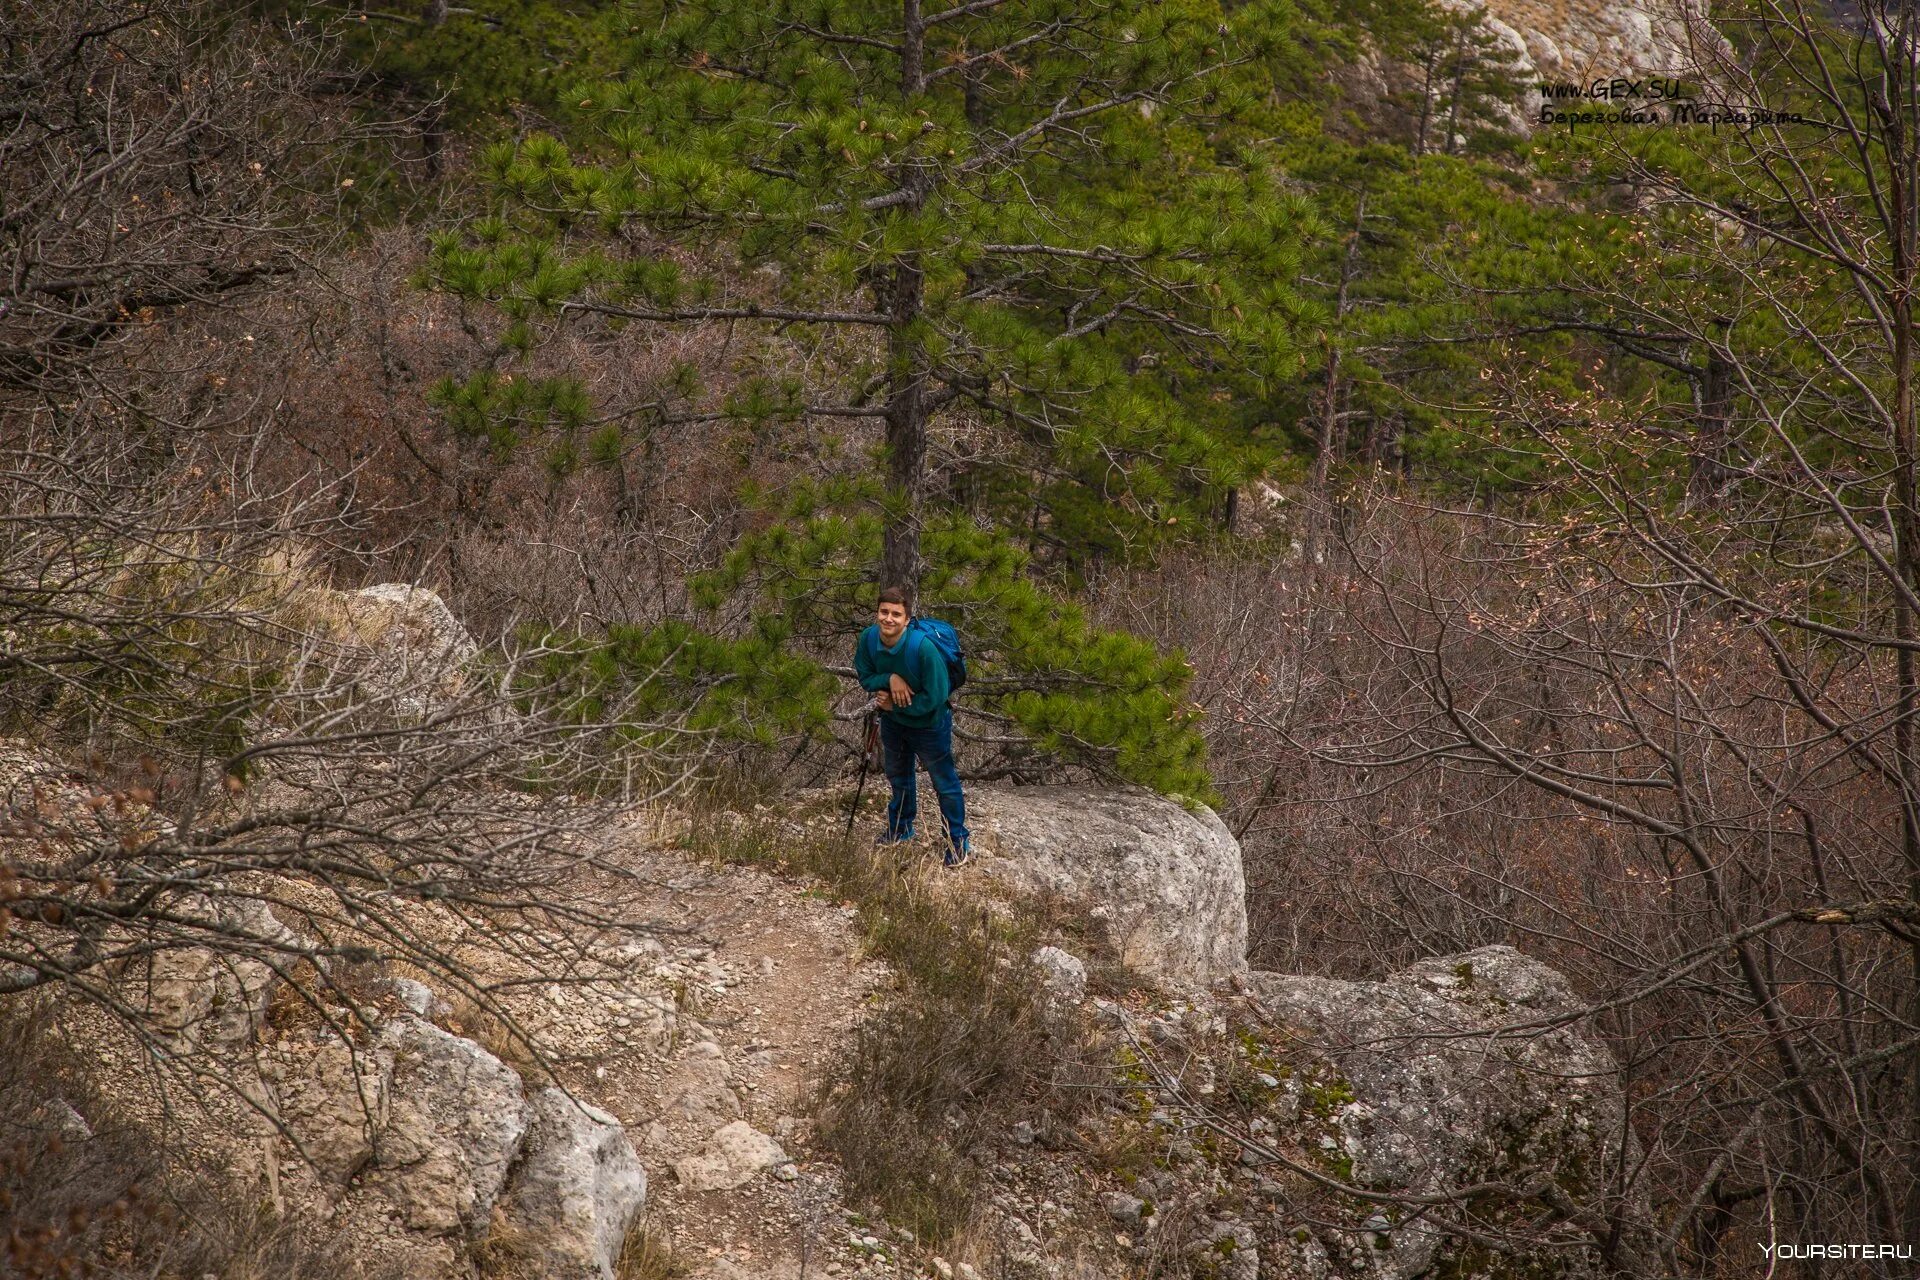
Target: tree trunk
[[906, 429], [1903, 142], [1713, 429], [906, 354]]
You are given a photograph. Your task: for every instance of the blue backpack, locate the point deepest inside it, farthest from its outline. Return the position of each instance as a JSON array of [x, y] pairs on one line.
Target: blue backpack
[[944, 638]]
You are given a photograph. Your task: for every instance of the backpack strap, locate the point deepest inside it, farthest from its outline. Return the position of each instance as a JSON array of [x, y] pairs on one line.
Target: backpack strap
[[923, 640]]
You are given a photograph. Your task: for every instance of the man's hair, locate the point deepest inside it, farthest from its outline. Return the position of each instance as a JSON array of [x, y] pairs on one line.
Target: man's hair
[[896, 595]]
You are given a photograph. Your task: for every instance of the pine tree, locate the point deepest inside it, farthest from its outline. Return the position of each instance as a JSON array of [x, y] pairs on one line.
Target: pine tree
[[1023, 215], [1010, 205]]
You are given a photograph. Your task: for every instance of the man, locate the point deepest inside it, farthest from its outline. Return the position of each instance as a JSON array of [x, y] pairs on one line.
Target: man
[[907, 676]]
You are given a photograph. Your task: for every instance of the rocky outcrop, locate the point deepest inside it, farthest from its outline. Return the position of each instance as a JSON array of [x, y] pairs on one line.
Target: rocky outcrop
[[1431, 1092], [1568, 42], [1165, 881], [398, 643], [412, 624], [333, 1097], [1063, 978], [700, 1089], [1575, 41], [577, 1190], [216, 998], [428, 1128], [457, 1122]]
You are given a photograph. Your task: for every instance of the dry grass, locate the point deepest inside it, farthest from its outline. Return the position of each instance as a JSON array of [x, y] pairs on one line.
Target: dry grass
[[491, 1032], [647, 1255]]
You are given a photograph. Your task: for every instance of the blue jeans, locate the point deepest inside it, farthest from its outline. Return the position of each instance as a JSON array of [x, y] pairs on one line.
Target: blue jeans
[[933, 746]]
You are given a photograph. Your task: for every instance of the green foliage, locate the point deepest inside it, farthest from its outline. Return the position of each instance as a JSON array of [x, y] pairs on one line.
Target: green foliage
[[486, 61], [750, 689], [1102, 291], [1105, 699], [1034, 218]]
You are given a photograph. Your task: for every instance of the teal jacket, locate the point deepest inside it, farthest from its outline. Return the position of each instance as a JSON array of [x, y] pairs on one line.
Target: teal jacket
[[914, 658]]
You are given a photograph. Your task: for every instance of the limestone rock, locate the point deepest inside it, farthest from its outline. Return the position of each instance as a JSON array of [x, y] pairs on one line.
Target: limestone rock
[[1229, 1250], [419, 998], [1062, 975], [199, 995], [734, 1155], [400, 643], [1167, 881], [333, 1097], [414, 619], [458, 1120], [577, 1188], [1422, 1103], [1577, 41]]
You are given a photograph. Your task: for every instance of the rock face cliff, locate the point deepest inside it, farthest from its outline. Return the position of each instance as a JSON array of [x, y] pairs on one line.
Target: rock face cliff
[[427, 1130], [1465, 1069], [1567, 43], [1578, 41]]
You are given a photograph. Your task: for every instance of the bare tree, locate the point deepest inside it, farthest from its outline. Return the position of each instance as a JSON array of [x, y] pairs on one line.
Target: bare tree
[[155, 156], [1655, 722], [217, 755]]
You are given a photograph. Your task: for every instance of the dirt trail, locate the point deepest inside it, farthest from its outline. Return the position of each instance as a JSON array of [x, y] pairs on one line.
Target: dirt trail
[[770, 982]]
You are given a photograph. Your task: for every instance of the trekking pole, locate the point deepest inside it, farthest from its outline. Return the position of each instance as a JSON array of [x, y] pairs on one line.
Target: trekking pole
[[868, 733]]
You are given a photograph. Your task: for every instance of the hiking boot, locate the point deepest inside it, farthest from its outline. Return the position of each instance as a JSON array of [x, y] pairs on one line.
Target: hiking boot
[[885, 840], [959, 855]]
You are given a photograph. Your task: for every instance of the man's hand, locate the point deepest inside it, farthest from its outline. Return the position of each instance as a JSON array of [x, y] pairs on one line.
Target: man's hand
[[902, 692], [883, 701]]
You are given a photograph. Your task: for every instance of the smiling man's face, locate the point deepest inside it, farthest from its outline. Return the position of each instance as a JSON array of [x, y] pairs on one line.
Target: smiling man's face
[[893, 620]]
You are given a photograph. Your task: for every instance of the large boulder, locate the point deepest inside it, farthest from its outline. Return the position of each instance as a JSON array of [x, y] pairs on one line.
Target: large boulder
[[1441, 1084], [1165, 879], [457, 1120], [576, 1190], [1574, 41], [333, 1098], [431, 1129], [208, 996], [735, 1154], [399, 644], [412, 622]]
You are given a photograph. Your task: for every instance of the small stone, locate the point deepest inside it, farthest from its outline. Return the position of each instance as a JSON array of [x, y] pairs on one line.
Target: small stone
[[943, 1268], [1023, 1133], [1122, 1207], [787, 1172], [1062, 975]]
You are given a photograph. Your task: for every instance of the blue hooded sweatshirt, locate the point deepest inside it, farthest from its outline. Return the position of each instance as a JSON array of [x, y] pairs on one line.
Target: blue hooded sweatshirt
[[915, 659]]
